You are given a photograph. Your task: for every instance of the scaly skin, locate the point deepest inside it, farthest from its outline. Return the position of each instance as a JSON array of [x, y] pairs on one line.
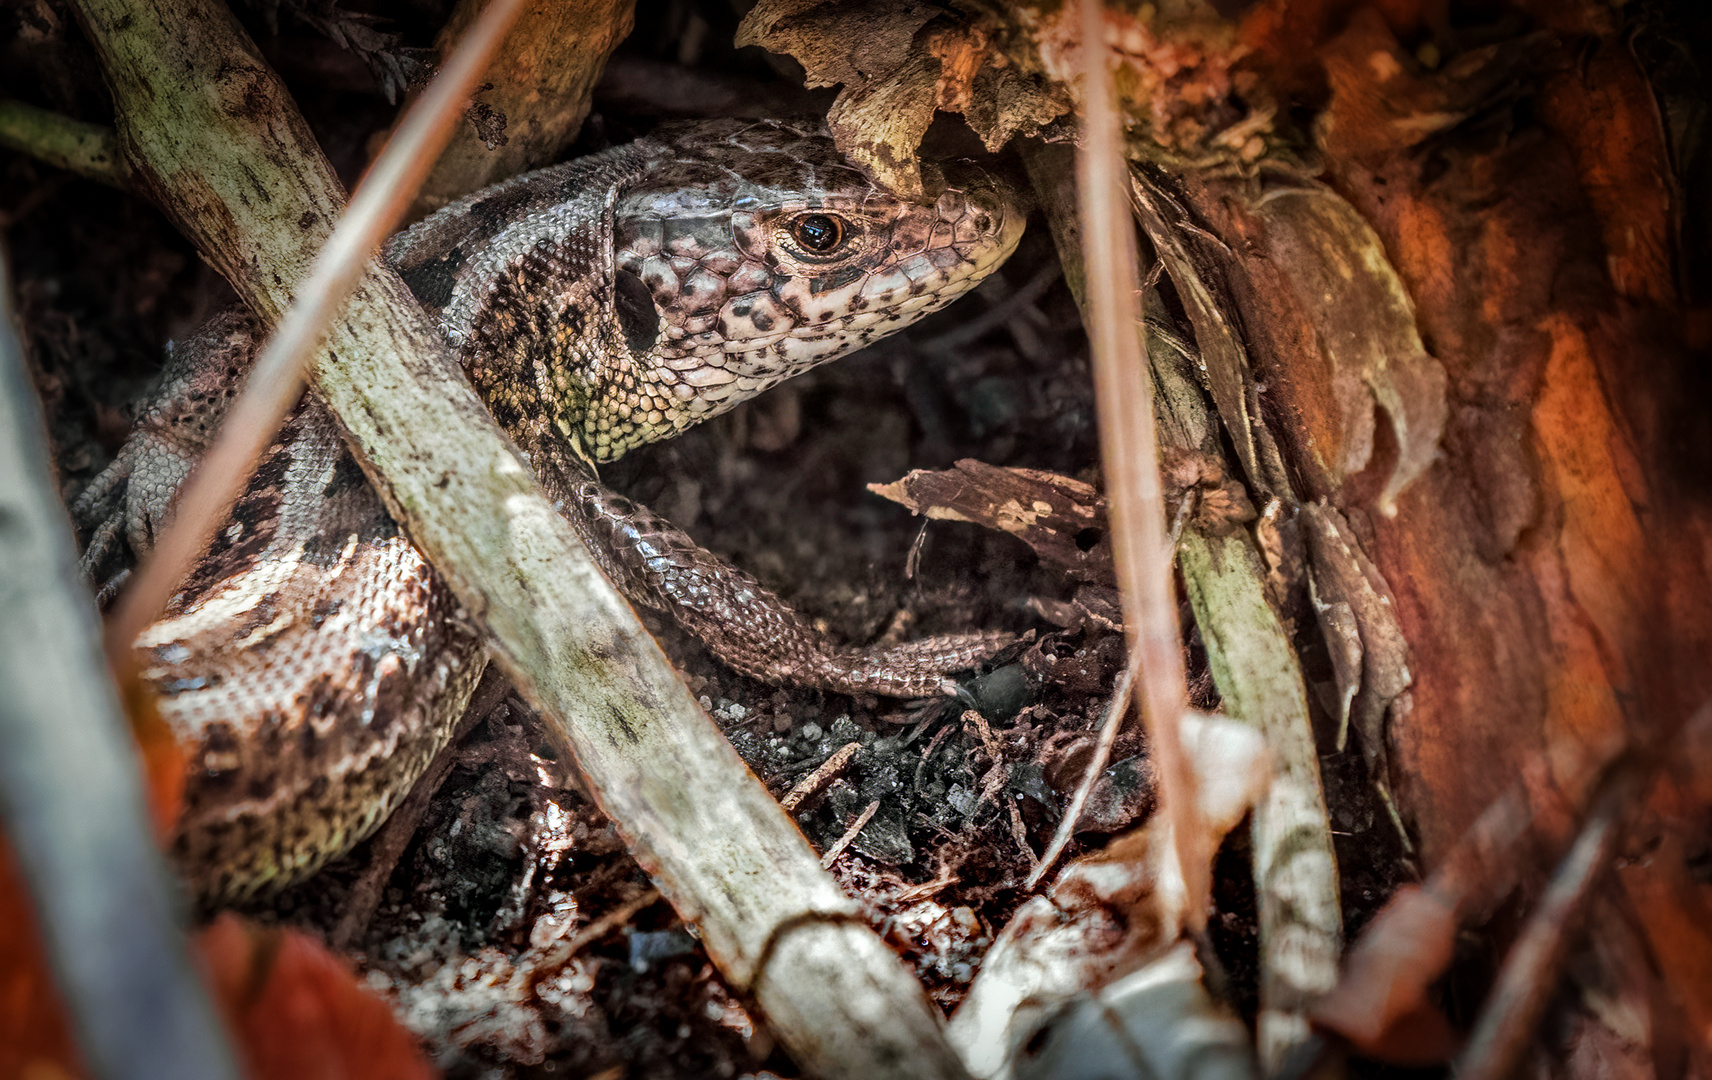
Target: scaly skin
[[314, 663]]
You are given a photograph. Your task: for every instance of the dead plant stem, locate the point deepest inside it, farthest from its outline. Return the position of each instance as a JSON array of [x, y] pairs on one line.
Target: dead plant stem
[[1141, 549]]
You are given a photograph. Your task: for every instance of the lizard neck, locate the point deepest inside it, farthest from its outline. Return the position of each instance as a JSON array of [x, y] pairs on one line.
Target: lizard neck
[[521, 278]]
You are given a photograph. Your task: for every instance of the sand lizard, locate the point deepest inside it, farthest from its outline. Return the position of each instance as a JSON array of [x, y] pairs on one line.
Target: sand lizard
[[313, 664]]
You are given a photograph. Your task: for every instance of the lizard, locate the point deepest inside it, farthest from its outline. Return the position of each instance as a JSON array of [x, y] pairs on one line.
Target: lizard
[[313, 663]]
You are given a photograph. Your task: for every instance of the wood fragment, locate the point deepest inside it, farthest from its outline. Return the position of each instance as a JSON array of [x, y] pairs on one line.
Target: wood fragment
[[855, 829], [1062, 519], [534, 97], [820, 777], [1129, 450]]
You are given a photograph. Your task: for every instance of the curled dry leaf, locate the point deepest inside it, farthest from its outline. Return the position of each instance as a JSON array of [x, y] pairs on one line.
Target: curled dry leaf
[[299, 1011], [1319, 270], [1380, 1005], [1062, 519], [294, 1009], [998, 97]]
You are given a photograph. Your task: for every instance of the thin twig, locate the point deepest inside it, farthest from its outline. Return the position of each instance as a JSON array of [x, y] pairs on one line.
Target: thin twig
[[1019, 833], [1141, 550], [1529, 978], [1109, 728], [942, 880], [277, 380], [557, 956]]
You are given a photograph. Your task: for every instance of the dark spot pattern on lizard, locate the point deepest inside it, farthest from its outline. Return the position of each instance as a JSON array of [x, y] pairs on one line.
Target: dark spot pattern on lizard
[[433, 281]]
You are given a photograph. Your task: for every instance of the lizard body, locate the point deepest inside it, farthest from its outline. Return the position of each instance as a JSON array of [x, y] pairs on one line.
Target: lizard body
[[313, 663]]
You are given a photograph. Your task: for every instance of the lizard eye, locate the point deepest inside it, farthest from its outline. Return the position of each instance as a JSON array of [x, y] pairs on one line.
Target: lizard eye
[[819, 233]]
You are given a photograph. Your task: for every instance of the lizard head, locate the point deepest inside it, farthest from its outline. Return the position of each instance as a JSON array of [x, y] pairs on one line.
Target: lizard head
[[751, 252], [624, 297]]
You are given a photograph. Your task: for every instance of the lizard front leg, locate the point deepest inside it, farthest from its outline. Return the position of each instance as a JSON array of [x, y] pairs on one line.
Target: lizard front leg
[[132, 498], [744, 624]]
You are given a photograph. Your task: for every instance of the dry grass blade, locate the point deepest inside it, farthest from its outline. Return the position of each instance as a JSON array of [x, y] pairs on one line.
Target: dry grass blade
[[850, 834], [277, 380], [1115, 712], [1128, 448]]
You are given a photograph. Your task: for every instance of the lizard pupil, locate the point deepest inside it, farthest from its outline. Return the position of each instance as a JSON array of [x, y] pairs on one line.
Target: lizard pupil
[[819, 233]]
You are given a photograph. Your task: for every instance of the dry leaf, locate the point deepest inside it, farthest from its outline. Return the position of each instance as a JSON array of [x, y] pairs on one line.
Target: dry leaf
[[1380, 1005], [298, 1011], [35, 1039], [1062, 519]]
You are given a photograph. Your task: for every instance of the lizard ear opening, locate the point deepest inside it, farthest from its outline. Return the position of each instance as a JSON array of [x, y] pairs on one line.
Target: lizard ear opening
[[633, 302]]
